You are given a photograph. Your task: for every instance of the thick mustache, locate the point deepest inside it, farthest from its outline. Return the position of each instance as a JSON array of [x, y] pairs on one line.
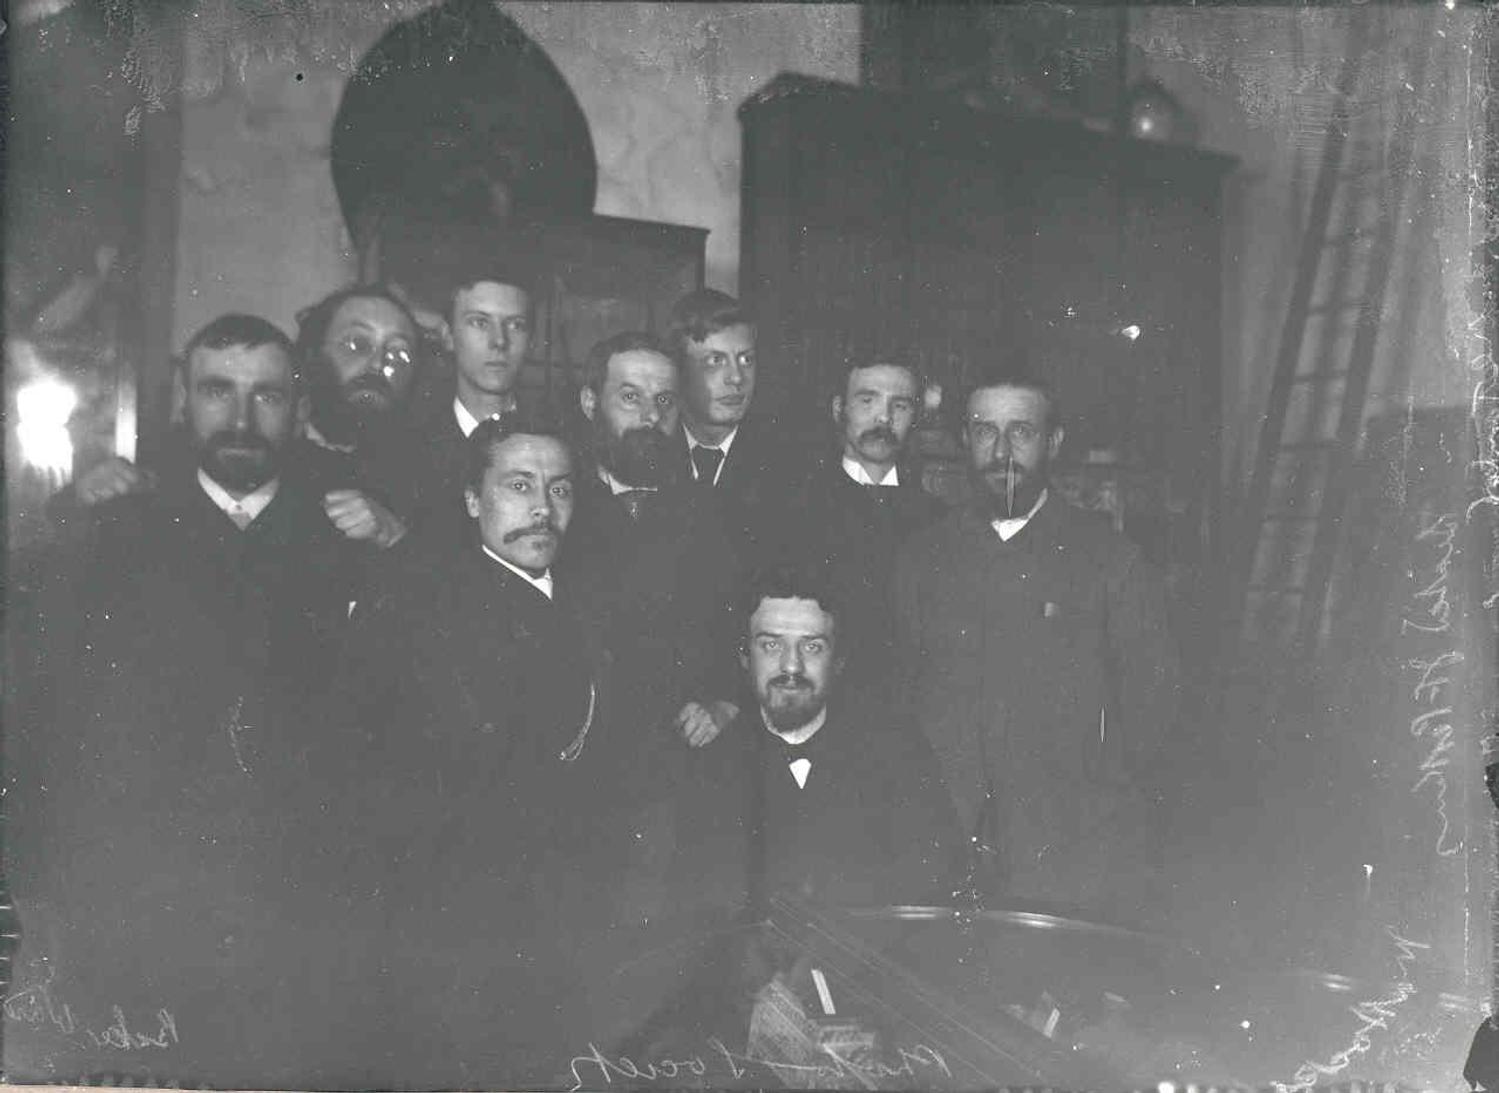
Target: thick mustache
[[880, 432], [248, 441], [791, 679], [534, 529], [369, 381]]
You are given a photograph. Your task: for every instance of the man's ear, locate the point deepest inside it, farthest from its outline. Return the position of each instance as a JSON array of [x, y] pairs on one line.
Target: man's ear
[[743, 656], [179, 392], [471, 502], [445, 332], [1054, 442], [838, 409], [303, 412], [588, 402]]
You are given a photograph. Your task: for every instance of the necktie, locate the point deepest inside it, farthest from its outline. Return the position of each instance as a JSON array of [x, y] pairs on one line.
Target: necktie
[[707, 460], [240, 517]]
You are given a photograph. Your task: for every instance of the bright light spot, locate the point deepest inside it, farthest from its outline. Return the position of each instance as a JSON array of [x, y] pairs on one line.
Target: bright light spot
[[1217, 986], [1243, 1024], [1166, 1087], [1449, 4], [1131, 332], [43, 407]]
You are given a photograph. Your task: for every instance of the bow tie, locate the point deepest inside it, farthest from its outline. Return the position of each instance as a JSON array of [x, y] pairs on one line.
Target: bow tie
[[706, 461]]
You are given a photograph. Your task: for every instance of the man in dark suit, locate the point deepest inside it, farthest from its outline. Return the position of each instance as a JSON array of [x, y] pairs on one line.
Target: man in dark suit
[[1045, 674], [658, 571], [486, 331], [731, 454], [475, 754], [360, 350], [816, 791], [148, 750], [862, 504]]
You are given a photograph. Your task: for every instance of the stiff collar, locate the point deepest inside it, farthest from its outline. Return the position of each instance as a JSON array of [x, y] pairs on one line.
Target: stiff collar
[[616, 487], [1008, 529], [467, 423], [723, 446], [543, 584], [855, 470], [251, 504]]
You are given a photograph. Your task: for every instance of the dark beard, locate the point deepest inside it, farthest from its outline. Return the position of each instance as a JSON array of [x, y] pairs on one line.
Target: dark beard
[[344, 421], [255, 464], [643, 457], [994, 491], [796, 708]]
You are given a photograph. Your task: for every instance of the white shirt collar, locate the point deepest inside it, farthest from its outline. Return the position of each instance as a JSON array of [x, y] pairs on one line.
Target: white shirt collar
[[251, 504], [801, 735], [543, 584], [855, 470], [467, 423], [1008, 529], [617, 487], [723, 445]]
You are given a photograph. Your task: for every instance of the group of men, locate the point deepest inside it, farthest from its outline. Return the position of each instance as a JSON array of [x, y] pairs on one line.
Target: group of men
[[474, 685]]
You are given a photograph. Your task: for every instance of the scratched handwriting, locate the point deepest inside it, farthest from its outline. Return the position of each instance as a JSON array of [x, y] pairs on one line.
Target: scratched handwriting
[[718, 1058], [35, 1006], [1430, 612], [1432, 600], [1373, 1013]]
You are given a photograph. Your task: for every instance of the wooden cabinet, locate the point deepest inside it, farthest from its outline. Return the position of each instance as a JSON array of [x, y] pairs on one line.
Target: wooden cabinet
[[876, 223]]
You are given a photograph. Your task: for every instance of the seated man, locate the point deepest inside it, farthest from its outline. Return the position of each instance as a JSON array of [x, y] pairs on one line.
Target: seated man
[[148, 770], [815, 793]]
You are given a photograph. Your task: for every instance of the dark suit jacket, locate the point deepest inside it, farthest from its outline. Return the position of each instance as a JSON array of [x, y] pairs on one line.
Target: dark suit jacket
[[150, 789], [755, 487], [661, 593], [855, 531], [464, 852], [873, 824], [440, 463], [1043, 667]]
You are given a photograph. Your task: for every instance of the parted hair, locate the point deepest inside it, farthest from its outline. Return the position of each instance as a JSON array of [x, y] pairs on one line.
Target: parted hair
[[701, 313], [492, 432], [795, 579], [236, 329], [596, 367]]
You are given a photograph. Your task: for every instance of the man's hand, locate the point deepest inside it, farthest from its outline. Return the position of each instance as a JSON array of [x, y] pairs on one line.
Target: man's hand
[[363, 519], [700, 724], [115, 477]]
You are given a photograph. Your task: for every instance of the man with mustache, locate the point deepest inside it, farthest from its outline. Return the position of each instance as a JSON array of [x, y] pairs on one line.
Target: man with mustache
[[815, 791], [469, 771], [360, 349], [1044, 671], [659, 572], [860, 505], [179, 632], [731, 454]]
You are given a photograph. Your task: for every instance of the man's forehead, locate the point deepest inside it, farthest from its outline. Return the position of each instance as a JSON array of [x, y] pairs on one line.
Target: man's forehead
[[1016, 403], [371, 311], [267, 363], [524, 453], [642, 368], [776, 615], [882, 377], [729, 339], [496, 296]]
